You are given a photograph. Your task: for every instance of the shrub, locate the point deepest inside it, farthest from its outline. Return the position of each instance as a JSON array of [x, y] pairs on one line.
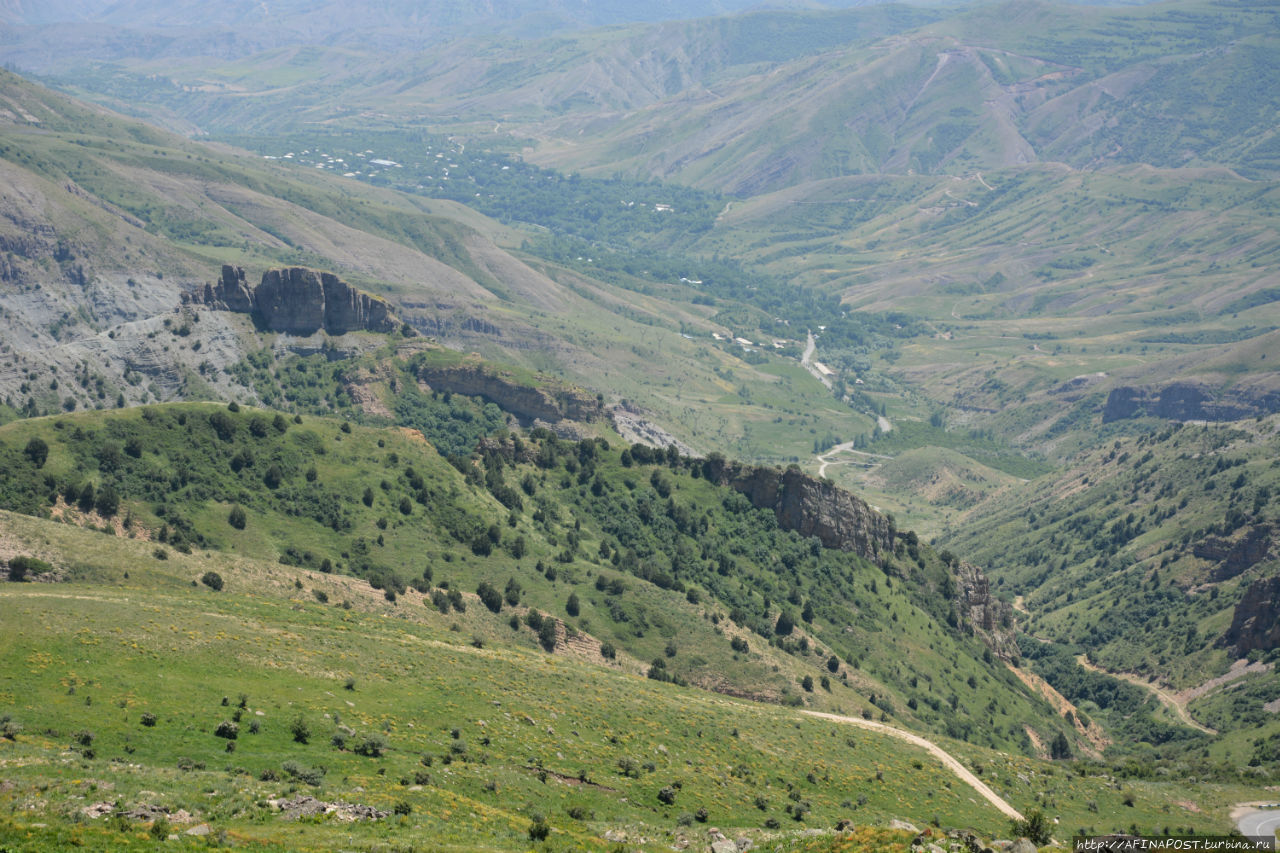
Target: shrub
[[539, 829], [547, 634], [572, 606], [228, 730], [213, 580], [308, 775], [300, 730], [107, 502], [372, 746], [608, 651], [489, 596], [667, 795], [37, 451], [1034, 827], [148, 719], [21, 567], [159, 828], [786, 624], [9, 730], [236, 517]]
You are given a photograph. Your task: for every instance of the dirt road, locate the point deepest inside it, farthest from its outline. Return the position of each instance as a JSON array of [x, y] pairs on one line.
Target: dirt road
[[933, 749]]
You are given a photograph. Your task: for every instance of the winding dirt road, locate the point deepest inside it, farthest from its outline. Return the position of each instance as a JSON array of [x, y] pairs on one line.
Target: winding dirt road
[[1166, 698], [933, 749]]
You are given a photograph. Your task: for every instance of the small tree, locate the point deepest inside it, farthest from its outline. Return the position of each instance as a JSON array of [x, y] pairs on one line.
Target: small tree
[[300, 730], [107, 502], [213, 580], [1033, 827], [786, 624], [489, 596], [37, 451], [572, 606], [547, 634], [512, 592], [539, 829], [236, 517]]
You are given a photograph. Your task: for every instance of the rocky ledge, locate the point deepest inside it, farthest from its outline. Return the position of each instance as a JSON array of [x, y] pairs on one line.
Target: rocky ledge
[[1254, 624], [1190, 401], [549, 402], [809, 506], [299, 301]]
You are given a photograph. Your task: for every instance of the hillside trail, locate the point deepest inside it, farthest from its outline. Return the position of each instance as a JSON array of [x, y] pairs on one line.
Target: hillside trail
[[933, 749], [1169, 700], [826, 458]]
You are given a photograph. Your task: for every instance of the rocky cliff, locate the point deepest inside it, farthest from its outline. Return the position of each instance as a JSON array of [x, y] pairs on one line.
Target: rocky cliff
[[1255, 623], [548, 402], [1190, 401], [1238, 554], [990, 618], [299, 301], [809, 506]]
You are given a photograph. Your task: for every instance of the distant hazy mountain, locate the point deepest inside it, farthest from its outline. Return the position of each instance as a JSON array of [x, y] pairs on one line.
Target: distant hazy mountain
[[39, 38]]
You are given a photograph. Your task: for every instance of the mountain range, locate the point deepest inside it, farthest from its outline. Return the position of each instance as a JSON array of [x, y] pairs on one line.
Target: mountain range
[[911, 364]]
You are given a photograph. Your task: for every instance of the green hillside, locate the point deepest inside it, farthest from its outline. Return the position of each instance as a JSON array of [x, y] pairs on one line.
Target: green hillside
[[179, 703], [1137, 557], [641, 552]]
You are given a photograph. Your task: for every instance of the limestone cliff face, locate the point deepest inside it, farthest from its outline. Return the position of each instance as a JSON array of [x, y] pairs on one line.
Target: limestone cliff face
[[1190, 401], [809, 506], [1236, 555], [990, 618], [299, 301], [229, 293], [1256, 621], [547, 402]]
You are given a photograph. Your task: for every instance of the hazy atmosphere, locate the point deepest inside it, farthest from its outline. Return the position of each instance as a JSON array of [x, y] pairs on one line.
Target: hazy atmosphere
[[698, 425]]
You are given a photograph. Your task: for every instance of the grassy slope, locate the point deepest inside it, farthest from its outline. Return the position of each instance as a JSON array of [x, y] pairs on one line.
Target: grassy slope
[[128, 634], [1106, 554], [694, 564], [168, 212]]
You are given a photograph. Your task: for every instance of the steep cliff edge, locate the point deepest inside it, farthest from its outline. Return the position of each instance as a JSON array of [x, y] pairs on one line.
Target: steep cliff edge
[[809, 506], [1254, 625], [299, 301], [1191, 401], [990, 618], [547, 401]]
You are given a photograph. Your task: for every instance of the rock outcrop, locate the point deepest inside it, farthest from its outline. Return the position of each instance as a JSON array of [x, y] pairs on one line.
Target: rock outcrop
[[1189, 401], [990, 618], [299, 301], [1256, 621], [1236, 555], [548, 402], [809, 506]]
